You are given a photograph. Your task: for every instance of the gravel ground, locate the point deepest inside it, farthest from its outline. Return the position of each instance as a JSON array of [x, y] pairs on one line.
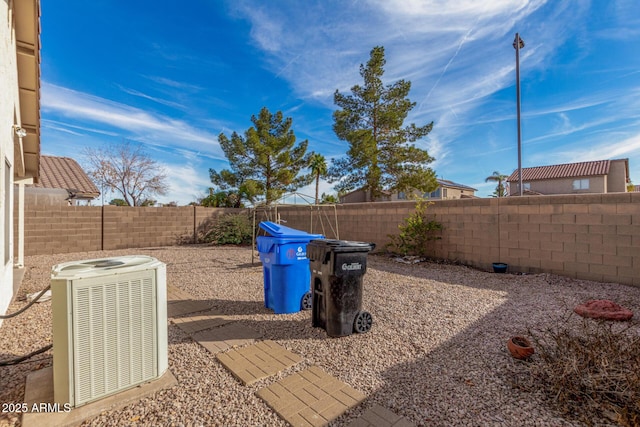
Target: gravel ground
[[436, 353]]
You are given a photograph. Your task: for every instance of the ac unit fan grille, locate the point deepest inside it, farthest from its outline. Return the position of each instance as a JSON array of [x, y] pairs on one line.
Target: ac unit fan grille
[[115, 337]]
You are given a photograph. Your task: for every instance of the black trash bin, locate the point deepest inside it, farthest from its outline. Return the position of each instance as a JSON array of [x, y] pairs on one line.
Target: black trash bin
[[337, 269]]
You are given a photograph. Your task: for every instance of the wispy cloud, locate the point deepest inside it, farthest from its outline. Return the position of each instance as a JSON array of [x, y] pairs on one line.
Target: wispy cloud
[[605, 150], [568, 129], [133, 122], [67, 128], [174, 84], [578, 88], [446, 67], [456, 54], [152, 98]]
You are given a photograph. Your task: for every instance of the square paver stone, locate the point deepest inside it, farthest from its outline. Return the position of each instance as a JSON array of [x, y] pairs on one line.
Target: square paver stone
[[379, 416], [226, 336], [200, 322], [310, 398], [175, 293], [257, 361], [180, 302]]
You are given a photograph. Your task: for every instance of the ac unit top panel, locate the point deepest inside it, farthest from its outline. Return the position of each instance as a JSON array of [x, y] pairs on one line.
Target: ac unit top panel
[[101, 266]]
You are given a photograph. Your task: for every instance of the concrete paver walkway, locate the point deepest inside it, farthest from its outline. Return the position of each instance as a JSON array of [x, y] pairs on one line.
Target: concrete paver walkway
[[379, 416], [179, 302], [258, 361], [201, 322], [225, 337], [310, 397]]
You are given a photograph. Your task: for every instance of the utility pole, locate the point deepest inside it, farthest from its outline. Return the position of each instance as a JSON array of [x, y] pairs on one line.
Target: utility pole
[[518, 44]]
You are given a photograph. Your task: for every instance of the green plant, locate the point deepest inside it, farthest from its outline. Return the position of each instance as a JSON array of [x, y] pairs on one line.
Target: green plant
[[588, 369], [415, 232], [229, 229]]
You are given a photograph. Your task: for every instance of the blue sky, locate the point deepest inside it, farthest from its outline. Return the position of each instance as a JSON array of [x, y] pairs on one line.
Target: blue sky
[[174, 75]]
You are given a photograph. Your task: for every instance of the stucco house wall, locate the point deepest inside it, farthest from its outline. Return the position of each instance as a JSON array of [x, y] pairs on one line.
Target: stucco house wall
[[599, 176], [19, 130], [442, 193], [617, 179], [9, 115], [597, 184]]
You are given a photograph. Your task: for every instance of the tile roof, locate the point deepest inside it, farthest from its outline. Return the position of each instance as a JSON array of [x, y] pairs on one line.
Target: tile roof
[[65, 173], [451, 184], [567, 170]]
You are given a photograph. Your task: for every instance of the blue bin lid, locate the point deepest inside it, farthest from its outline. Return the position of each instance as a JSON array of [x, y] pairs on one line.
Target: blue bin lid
[[283, 232]]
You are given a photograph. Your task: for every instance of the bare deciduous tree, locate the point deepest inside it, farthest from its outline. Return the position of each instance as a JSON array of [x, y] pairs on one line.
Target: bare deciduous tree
[[128, 171]]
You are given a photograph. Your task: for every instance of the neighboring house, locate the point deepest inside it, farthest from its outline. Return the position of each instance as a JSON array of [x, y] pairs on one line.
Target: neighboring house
[[446, 190], [62, 181], [19, 127], [362, 196], [601, 176]]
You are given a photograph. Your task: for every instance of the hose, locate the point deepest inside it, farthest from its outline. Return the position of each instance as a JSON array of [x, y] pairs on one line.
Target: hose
[[34, 353], [9, 316], [25, 357]]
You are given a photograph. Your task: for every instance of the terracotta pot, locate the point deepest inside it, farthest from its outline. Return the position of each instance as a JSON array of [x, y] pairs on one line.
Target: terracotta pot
[[520, 347]]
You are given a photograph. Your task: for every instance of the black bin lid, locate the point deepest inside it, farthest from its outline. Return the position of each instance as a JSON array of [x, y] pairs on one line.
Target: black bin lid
[[343, 245]]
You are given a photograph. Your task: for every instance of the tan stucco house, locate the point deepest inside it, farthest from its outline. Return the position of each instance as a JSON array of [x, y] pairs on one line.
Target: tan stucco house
[[19, 128], [446, 190], [601, 176]]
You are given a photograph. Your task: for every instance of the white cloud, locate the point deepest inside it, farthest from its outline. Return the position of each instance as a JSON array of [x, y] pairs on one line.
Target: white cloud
[[457, 10], [132, 122], [67, 128], [604, 150], [174, 84], [456, 54], [186, 183], [151, 98]]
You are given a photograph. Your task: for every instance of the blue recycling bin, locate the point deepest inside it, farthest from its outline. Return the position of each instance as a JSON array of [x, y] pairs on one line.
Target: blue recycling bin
[[285, 266]]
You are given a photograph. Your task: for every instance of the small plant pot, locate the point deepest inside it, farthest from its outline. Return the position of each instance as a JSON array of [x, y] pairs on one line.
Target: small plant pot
[[520, 347], [499, 267]]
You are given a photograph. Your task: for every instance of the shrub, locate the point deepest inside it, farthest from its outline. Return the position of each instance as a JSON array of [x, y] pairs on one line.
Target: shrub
[[229, 229], [415, 232], [589, 372]]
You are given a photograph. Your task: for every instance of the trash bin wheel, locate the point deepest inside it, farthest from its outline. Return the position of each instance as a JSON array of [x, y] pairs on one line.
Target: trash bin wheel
[[307, 301], [363, 322]]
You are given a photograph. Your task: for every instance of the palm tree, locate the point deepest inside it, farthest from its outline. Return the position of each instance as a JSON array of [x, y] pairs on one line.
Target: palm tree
[[318, 166], [499, 178]]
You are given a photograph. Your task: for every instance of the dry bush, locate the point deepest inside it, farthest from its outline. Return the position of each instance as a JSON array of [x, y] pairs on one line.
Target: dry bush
[[228, 229], [588, 369]]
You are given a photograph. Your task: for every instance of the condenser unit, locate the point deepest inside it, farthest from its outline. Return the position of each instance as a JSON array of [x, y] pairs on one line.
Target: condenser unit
[[109, 326]]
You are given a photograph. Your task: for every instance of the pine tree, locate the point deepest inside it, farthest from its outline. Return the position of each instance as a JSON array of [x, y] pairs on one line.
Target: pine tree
[[381, 153], [266, 162]]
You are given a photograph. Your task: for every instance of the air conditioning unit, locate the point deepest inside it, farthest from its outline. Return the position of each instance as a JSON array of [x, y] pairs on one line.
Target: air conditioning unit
[[109, 326]]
